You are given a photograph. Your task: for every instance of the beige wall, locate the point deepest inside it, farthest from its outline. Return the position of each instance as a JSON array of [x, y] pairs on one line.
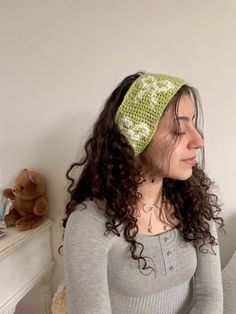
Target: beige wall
[[59, 60]]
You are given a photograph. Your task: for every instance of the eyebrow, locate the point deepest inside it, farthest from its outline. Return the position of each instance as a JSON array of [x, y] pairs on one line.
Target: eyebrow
[[185, 118]]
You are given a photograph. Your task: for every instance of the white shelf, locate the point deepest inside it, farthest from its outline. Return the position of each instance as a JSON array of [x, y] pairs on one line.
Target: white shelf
[[15, 238], [25, 261]]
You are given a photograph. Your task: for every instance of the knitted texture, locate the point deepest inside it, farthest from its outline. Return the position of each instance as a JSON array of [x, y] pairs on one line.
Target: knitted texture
[[59, 303], [143, 105]]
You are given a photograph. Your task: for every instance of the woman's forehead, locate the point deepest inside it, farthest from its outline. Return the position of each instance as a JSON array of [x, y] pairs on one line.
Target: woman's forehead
[[186, 106]]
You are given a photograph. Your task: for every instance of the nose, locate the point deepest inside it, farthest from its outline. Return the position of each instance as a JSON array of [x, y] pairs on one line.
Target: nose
[[196, 140]]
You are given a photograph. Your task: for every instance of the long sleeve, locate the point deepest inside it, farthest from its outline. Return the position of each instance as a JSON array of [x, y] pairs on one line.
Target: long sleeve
[[86, 255], [208, 290]]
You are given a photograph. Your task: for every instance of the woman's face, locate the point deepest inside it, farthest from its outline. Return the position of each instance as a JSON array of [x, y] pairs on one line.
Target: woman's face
[[167, 157]]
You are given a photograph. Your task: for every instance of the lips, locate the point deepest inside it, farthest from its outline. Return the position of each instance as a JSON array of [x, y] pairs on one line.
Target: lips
[[190, 161]]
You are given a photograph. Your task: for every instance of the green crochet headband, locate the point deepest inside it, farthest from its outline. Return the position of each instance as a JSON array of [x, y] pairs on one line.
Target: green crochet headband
[[143, 105]]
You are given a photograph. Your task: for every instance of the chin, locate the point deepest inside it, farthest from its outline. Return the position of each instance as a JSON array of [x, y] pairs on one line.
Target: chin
[[185, 175]]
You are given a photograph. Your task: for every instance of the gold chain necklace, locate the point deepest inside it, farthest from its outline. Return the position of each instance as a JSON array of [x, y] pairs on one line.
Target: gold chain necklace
[[149, 209]]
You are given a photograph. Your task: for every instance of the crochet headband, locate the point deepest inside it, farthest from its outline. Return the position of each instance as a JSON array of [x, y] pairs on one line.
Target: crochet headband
[[143, 105]]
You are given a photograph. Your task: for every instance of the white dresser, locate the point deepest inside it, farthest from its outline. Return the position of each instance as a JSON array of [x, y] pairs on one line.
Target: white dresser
[[25, 262]]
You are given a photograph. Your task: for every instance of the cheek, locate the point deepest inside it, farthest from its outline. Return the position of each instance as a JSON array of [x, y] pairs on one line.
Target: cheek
[[178, 169], [178, 151], [161, 155], [177, 156]]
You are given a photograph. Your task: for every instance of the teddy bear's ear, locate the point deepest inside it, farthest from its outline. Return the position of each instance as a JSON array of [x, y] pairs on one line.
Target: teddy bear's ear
[[33, 178], [23, 170]]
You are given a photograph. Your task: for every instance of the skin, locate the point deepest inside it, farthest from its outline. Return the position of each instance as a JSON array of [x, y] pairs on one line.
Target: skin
[[189, 141]]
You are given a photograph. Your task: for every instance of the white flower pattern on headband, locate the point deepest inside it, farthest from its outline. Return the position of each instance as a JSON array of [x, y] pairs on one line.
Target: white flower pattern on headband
[[163, 86], [133, 132]]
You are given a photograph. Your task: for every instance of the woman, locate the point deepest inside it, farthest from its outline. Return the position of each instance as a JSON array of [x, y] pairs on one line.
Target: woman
[[140, 224]]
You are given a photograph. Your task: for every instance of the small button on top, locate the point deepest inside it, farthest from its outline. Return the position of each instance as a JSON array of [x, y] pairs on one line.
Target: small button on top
[[169, 253], [166, 239], [171, 268]]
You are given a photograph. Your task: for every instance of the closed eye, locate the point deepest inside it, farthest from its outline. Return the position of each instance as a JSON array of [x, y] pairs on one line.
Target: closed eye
[[180, 133], [186, 119]]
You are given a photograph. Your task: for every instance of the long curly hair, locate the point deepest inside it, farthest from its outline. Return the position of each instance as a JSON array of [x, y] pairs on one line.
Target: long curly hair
[[110, 175]]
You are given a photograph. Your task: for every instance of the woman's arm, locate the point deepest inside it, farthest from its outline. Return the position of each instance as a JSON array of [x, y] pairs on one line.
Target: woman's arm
[[86, 252], [208, 289]]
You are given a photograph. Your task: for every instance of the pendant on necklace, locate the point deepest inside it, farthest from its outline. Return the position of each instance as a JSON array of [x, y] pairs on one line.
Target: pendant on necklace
[[166, 227], [150, 223], [147, 208]]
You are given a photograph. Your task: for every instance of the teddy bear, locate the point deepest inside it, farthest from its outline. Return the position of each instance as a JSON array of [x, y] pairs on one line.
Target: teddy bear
[[29, 198]]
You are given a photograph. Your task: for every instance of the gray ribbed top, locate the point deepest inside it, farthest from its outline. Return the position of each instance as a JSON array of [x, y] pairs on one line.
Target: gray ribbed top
[[102, 278]]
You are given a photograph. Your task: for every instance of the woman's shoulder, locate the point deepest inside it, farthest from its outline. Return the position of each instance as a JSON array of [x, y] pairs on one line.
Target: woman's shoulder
[[90, 210], [87, 221]]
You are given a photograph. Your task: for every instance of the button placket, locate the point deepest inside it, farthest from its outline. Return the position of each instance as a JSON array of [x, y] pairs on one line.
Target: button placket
[[169, 252]]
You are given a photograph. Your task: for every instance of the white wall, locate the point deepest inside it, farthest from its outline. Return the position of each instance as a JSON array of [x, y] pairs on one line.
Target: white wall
[[59, 60]]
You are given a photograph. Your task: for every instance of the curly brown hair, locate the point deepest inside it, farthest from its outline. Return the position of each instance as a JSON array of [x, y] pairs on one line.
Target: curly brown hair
[[111, 176]]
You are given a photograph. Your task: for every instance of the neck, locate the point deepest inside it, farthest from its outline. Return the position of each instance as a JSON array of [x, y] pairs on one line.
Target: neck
[[151, 191]]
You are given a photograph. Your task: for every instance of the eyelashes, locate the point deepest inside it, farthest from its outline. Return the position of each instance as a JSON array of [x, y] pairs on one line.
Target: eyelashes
[[179, 133]]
